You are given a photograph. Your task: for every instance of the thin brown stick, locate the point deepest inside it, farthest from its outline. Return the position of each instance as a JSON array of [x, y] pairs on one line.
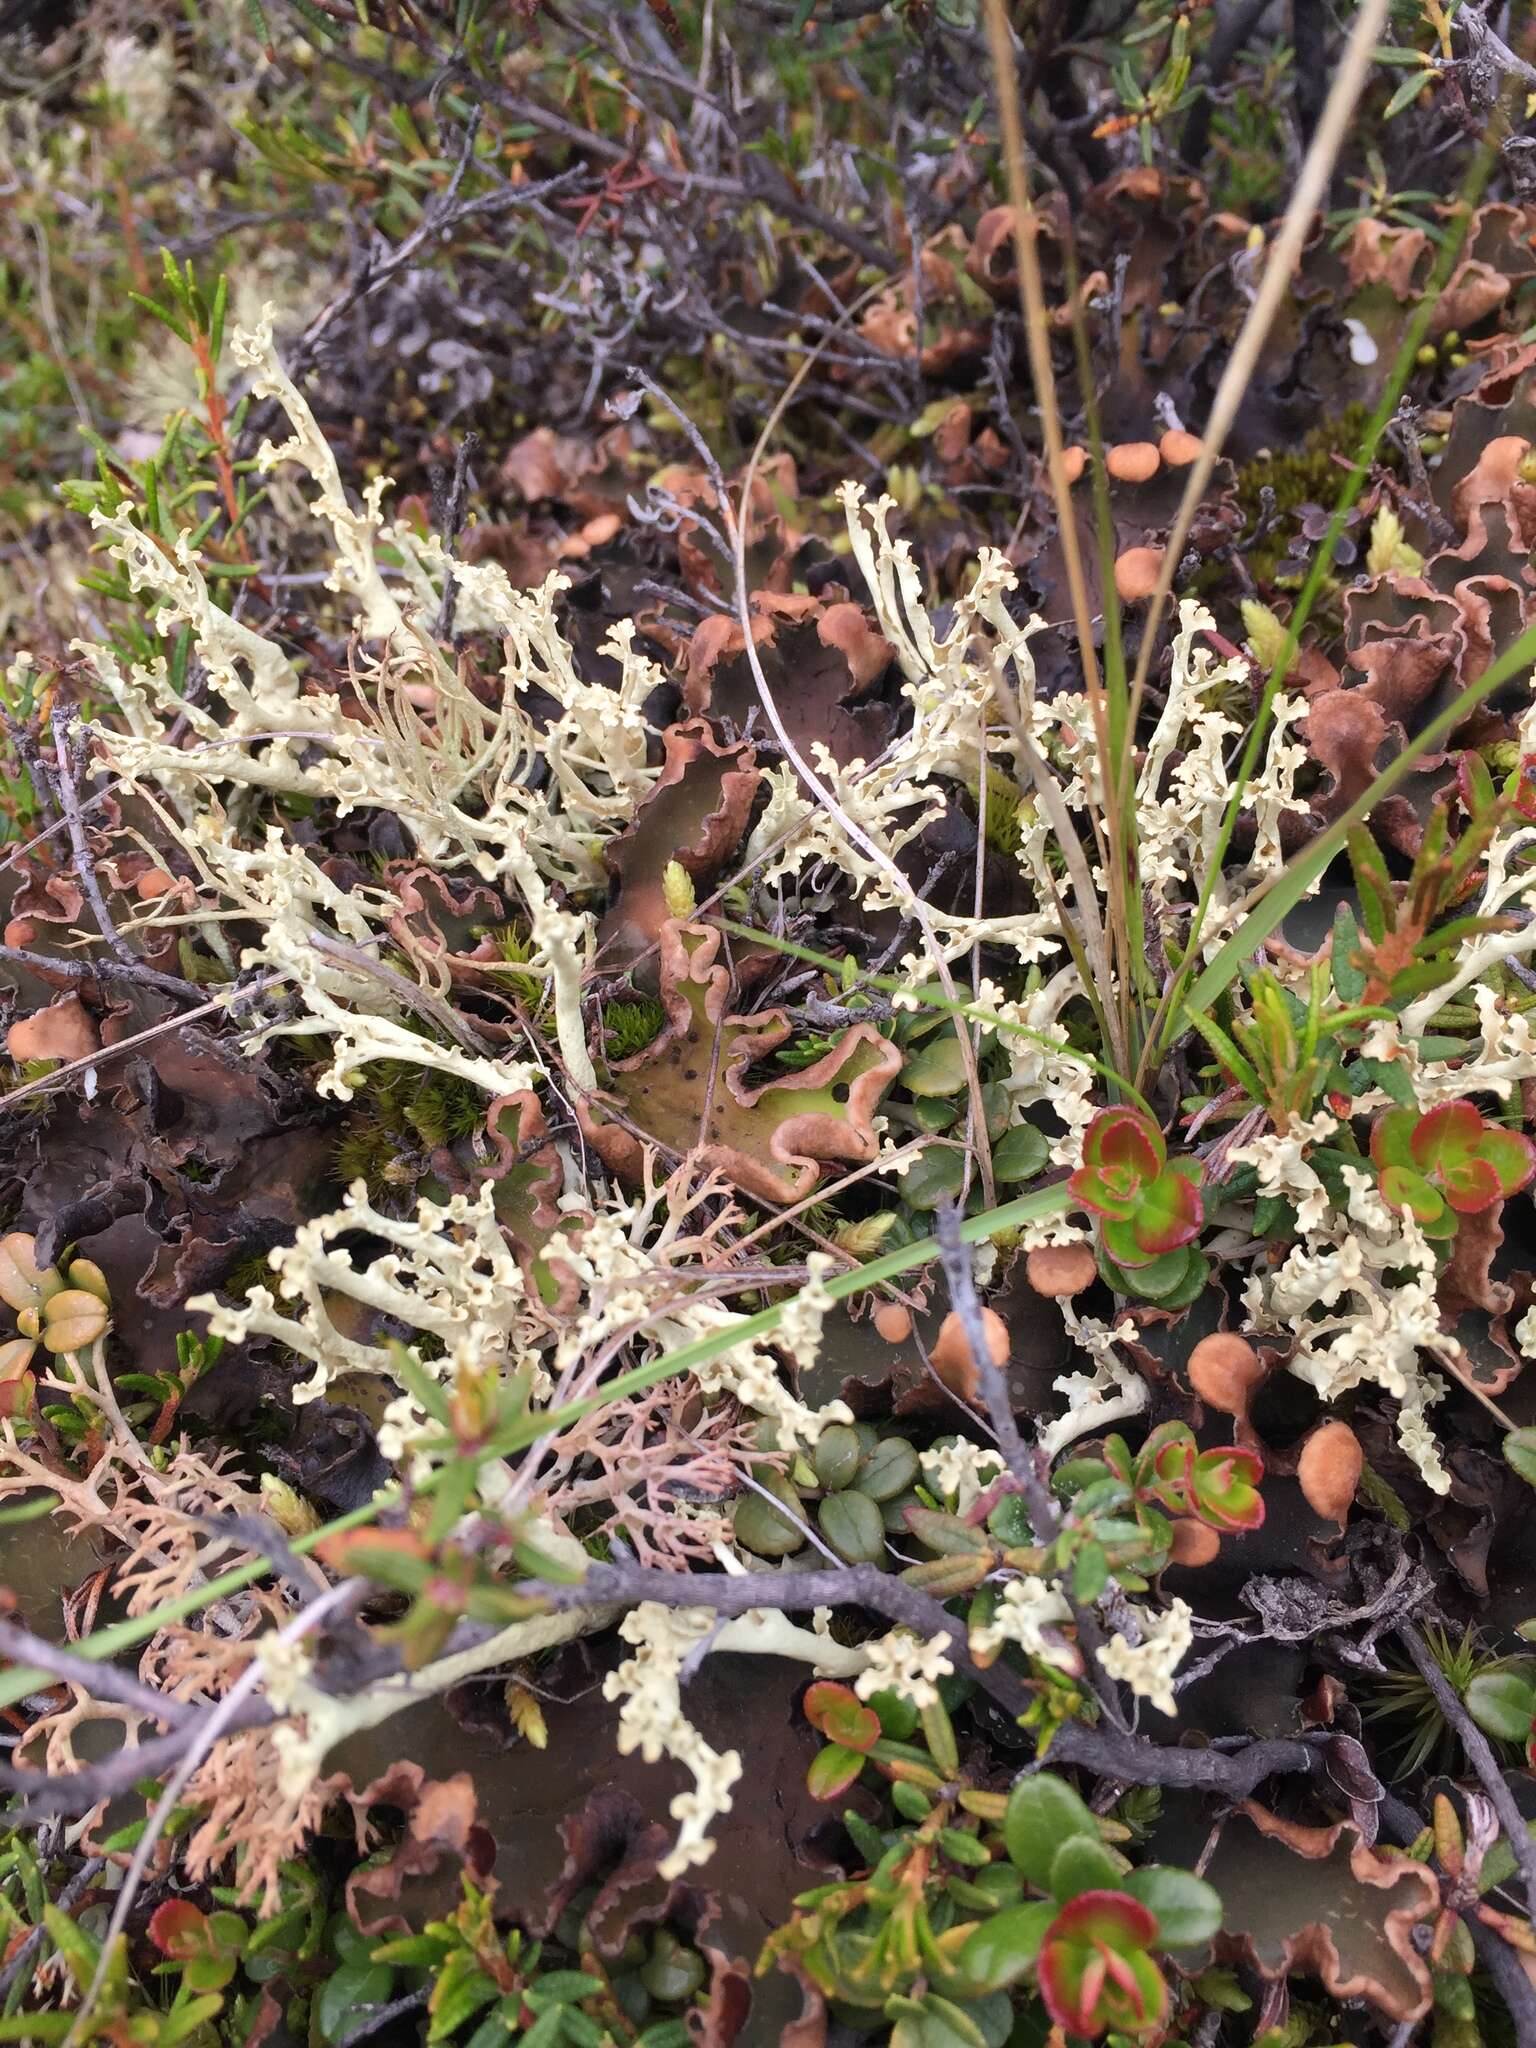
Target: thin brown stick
[[1025, 1464], [1116, 848]]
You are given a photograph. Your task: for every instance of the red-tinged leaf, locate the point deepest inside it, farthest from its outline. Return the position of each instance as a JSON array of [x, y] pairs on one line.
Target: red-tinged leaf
[[180, 1930], [1446, 1137], [1112, 1917], [833, 1771], [1512, 1157], [1118, 1235], [1094, 1971], [1070, 1986], [1470, 1186], [837, 1712], [1454, 1154], [1166, 1464], [1169, 1214], [1125, 1146], [1094, 1191], [17, 1397], [1224, 1488]]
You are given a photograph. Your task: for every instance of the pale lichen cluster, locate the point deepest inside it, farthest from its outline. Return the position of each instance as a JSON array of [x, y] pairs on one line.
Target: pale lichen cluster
[[414, 740]]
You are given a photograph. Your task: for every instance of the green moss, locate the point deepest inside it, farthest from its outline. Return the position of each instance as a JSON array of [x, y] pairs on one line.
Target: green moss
[[629, 1026], [513, 943], [1248, 144], [253, 1271], [400, 1111], [1008, 811]]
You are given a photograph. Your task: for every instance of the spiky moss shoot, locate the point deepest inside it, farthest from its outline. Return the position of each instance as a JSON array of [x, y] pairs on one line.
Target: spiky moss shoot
[[1307, 475], [630, 1025], [1008, 811], [1425, 1739], [515, 946], [399, 1111]]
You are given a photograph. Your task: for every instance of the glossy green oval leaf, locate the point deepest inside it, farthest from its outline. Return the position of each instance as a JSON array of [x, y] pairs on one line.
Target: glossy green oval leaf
[[1502, 1703], [1187, 1909], [1083, 1864], [1003, 1949], [1042, 1813]]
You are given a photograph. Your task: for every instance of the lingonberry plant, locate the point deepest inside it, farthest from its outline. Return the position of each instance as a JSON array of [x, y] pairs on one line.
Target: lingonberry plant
[[1148, 1206], [1448, 1163], [969, 1894], [1219, 1487]]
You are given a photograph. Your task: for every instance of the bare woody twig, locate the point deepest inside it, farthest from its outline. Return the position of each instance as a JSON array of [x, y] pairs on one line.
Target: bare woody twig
[[451, 519], [1490, 49], [64, 716], [955, 1257], [100, 1680], [1130, 1758], [46, 1793], [440, 218], [1025, 1465], [120, 971]]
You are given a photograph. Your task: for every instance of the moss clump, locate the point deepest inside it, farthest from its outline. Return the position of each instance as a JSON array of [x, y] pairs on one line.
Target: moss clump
[[515, 945], [1007, 811], [629, 1026], [398, 1112]]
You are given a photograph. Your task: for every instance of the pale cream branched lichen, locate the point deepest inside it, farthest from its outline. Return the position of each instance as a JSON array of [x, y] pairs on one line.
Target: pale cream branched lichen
[[1148, 1666], [804, 1313], [1280, 1160], [633, 1263], [1029, 1612], [652, 1721], [1108, 1394], [415, 742], [447, 1274], [961, 1471], [904, 1664], [1358, 1296]]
